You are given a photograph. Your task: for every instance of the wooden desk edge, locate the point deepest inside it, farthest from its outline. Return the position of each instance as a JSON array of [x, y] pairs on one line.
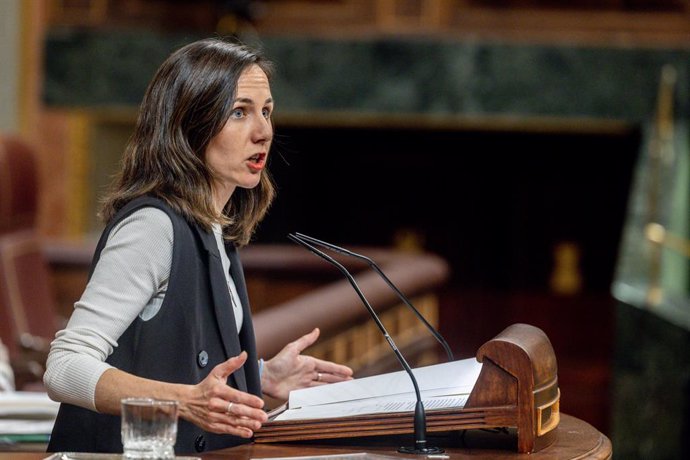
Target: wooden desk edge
[[576, 440]]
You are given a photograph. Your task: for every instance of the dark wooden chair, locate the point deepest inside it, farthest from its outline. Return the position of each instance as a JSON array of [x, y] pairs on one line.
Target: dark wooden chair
[[28, 315]]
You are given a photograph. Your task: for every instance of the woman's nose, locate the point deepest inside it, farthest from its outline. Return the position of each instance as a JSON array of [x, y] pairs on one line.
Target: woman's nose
[[263, 129]]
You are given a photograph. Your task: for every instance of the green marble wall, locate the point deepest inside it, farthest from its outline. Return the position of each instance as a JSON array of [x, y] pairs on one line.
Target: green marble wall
[[385, 75]]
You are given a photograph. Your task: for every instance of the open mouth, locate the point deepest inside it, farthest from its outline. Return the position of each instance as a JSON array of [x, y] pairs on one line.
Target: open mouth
[[258, 158], [257, 162]]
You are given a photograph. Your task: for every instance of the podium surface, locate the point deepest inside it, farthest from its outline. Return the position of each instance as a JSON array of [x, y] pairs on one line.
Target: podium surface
[[576, 440]]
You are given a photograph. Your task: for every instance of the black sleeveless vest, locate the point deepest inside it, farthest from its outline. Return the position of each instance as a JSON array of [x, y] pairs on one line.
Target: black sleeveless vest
[[193, 331]]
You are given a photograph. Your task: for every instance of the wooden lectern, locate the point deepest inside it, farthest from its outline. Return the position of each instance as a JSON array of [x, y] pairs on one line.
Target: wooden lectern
[[517, 388]]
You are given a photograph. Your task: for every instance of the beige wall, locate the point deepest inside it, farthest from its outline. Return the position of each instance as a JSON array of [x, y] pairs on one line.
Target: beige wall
[[10, 30]]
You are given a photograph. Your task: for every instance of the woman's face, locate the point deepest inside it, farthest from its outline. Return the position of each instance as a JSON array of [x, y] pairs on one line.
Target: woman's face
[[237, 154]]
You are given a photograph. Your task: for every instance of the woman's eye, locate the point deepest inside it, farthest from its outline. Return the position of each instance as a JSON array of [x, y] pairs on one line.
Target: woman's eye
[[238, 113], [266, 113]]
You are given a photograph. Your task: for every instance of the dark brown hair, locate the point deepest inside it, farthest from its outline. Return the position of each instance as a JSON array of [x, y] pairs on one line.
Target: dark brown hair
[[186, 104]]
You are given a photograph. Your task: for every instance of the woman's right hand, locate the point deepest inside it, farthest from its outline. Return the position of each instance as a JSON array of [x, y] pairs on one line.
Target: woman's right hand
[[218, 408]]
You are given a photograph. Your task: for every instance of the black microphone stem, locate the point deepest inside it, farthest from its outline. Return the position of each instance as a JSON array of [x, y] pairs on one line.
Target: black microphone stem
[[400, 294], [419, 412]]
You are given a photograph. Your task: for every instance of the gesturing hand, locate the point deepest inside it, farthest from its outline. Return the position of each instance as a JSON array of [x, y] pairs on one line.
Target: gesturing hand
[[219, 408], [289, 370]]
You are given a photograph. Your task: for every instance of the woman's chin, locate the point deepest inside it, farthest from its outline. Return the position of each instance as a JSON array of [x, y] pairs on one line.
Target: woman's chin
[[251, 184]]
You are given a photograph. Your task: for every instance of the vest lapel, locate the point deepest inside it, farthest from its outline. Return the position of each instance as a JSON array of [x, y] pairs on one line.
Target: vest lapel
[[247, 333], [223, 307], [237, 275]]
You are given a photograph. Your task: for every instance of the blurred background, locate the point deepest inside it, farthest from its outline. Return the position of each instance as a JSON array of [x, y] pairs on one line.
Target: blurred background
[[539, 147]]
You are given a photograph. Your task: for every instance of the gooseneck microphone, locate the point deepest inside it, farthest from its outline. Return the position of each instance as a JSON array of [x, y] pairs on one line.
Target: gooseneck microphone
[[420, 446], [376, 268]]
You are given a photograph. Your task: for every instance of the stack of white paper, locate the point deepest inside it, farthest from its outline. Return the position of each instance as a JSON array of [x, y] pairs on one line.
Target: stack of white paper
[[446, 385], [26, 412]]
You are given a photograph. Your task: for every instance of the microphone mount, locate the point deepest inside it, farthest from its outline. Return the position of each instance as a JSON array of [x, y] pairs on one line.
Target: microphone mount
[[420, 444]]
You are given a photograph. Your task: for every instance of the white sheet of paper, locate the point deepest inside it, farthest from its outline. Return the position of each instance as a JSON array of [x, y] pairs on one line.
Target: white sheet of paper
[[29, 404], [15, 426], [371, 406], [446, 385], [457, 377]]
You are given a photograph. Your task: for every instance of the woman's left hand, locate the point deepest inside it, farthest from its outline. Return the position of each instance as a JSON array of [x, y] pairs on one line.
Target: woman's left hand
[[290, 370]]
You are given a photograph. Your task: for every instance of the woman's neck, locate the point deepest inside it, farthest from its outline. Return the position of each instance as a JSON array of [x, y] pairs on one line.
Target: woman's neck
[[221, 196]]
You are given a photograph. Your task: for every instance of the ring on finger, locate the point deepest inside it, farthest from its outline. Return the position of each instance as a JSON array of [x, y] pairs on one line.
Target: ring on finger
[[318, 376], [230, 403]]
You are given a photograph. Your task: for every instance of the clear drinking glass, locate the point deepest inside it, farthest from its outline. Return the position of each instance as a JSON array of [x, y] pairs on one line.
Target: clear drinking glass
[[149, 428]]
